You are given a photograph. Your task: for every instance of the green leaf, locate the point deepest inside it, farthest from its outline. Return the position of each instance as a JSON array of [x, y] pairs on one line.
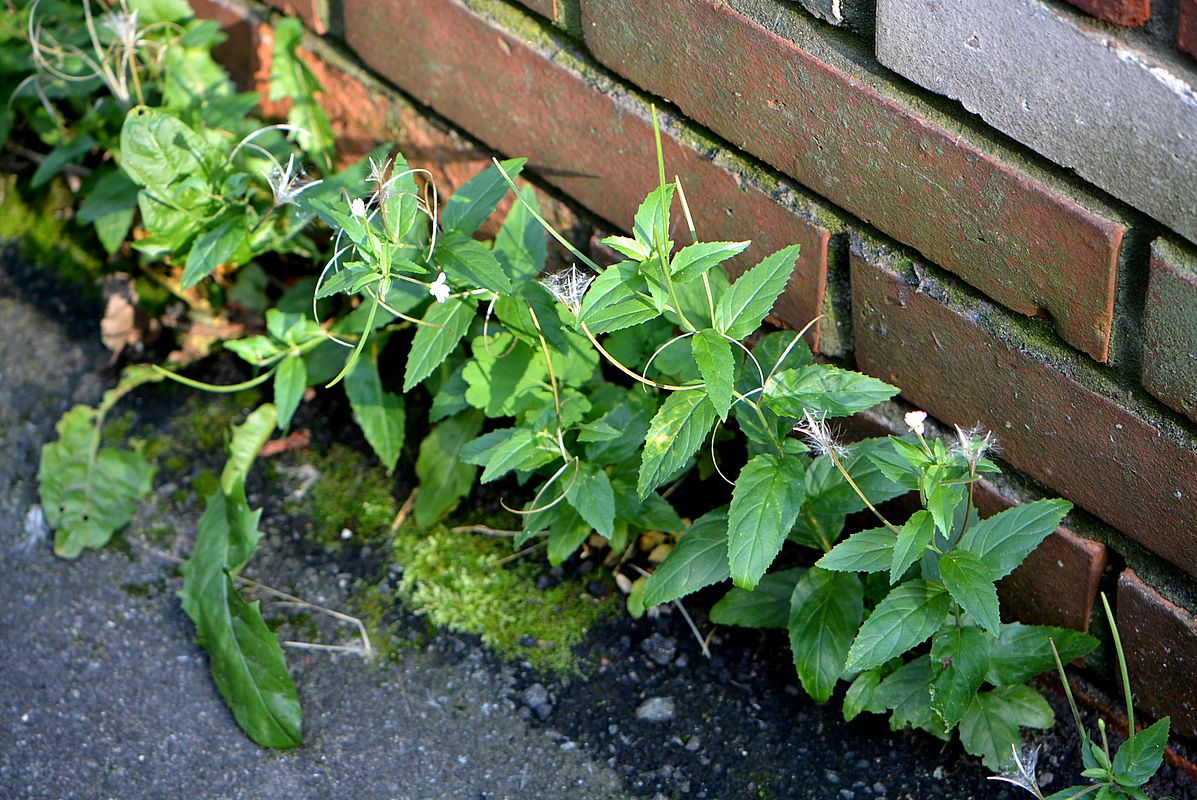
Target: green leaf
[[521, 449], [970, 584], [942, 502], [628, 247], [157, 149], [674, 435], [380, 414], [1004, 540], [699, 559], [824, 390], [713, 355], [444, 479], [293, 79], [60, 156], [289, 382], [825, 611], [905, 618], [765, 503], [990, 727], [248, 438], [828, 491], [867, 551], [112, 229], [861, 695], [521, 245], [959, 660], [88, 492], [468, 261], [751, 297], [611, 304], [693, 261], [447, 323], [245, 657], [350, 279], [767, 606], [911, 544], [153, 11], [473, 202], [907, 691], [505, 376], [1141, 755], [214, 248], [1023, 651], [594, 500], [647, 225]]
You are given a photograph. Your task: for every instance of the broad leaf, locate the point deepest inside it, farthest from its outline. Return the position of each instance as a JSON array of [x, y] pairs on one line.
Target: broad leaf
[[867, 551], [990, 727], [969, 582], [380, 414], [767, 606], [468, 261], [1023, 651], [905, 618], [699, 559], [862, 695], [911, 544], [674, 435], [214, 248], [289, 383], [521, 246], [907, 692], [446, 324], [157, 149], [713, 355], [1004, 540], [60, 156], [611, 304], [828, 491], [959, 660], [521, 449], [566, 535], [474, 201], [825, 611], [751, 297], [694, 260], [765, 503], [649, 218], [1141, 754], [248, 438], [594, 500], [824, 390], [444, 479]]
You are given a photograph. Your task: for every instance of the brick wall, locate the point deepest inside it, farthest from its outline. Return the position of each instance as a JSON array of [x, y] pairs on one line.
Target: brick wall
[[996, 204]]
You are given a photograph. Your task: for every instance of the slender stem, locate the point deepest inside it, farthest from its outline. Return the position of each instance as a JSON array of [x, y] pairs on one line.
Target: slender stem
[[835, 459], [1130, 706], [632, 373], [212, 387]]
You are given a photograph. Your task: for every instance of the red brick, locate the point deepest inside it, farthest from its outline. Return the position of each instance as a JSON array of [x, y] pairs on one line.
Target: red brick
[[915, 174], [1057, 584], [314, 13], [581, 132], [1186, 35], [1055, 416], [1160, 639], [546, 8], [1170, 327], [1119, 12]]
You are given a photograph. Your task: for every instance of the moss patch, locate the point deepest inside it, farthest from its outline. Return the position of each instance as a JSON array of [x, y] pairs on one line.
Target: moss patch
[[352, 493], [41, 220]]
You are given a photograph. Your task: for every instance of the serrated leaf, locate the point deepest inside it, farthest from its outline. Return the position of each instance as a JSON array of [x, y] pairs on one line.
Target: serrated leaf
[[521, 245], [694, 260], [245, 657], [990, 727], [649, 218], [289, 383], [468, 261], [474, 201], [1023, 651], [1004, 540], [824, 390], [942, 502], [594, 500], [248, 438], [510, 453], [566, 534], [699, 559], [444, 479], [867, 551], [905, 618], [907, 692], [447, 323], [767, 606], [911, 544], [380, 414], [611, 304], [674, 435], [713, 355], [959, 660], [350, 279], [970, 584], [1141, 754], [751, 297], [765, 503], [213, 248], [861, 695], [828, 492], [825, 611]]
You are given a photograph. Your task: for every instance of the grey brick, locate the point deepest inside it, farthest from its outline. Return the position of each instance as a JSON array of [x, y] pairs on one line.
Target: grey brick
[[1124, 118]]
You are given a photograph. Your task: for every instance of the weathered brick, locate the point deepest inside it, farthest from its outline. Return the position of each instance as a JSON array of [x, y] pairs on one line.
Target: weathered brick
[[526, 91], [1119, 12], [314, 13], [1129, 126], [856, 15], [1170, 327], [770, 81], [1160, 639], [1058, 583], [1057, 417], [1186, 31]]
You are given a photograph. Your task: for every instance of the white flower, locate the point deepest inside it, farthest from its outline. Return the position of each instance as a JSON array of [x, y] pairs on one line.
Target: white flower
[[288, 183], [358, 208], [915, 420], [439, 289]]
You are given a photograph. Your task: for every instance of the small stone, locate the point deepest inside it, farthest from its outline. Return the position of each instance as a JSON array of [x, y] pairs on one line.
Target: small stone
[[693, 744], [597, 588], [657, 709], [659, 649], [536, 697]]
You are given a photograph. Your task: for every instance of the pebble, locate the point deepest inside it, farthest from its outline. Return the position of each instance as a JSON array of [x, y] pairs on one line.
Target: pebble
[[536, 697], [597, 588], [657, 709], [659, 649]]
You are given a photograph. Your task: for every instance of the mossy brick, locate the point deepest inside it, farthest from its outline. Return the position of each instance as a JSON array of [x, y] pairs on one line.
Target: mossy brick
[[1170, 327], [1057, 417], [1186, 29], [1160, 639], [809, 101], [1058, 582], [564, 14], [315, 14], [526, 90], [1117, 12]]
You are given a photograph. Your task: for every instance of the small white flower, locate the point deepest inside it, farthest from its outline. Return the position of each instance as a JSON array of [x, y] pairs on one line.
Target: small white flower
[[439, 289], [358, 208], [289, 182], [915, 421]]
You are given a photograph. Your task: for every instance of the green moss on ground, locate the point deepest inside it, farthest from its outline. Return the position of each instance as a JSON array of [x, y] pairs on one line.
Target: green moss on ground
[[352, 493], [42, 220]]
